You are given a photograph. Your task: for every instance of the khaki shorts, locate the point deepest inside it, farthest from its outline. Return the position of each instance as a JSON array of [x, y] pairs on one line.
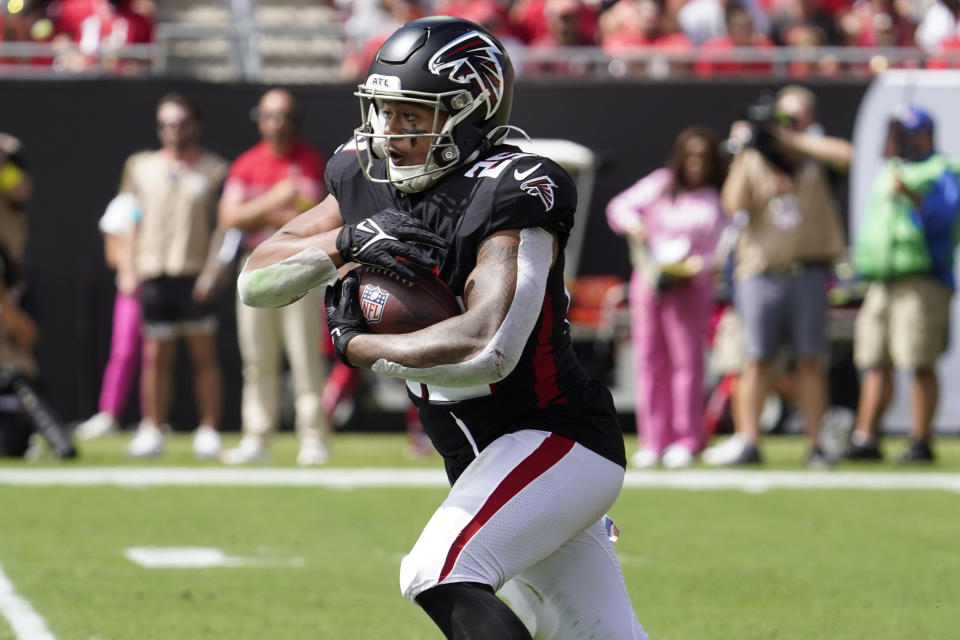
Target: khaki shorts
[[905, 322]]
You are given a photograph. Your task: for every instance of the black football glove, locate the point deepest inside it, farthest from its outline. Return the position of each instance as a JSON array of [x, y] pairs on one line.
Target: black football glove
[[345, 320], [386, 239]]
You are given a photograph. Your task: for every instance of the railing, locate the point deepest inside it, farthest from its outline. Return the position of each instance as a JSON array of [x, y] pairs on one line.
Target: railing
[[766, 62], [236, 48], [44, 59]]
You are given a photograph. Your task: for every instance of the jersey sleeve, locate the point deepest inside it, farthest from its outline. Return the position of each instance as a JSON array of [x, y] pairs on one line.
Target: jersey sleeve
[[341, 167], [534, 192]]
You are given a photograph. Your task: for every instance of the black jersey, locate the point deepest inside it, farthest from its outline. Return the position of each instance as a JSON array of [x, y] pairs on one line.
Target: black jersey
[[548, 389]]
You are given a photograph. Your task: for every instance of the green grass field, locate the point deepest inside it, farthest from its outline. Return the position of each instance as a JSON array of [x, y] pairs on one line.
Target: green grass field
[[700, 564]]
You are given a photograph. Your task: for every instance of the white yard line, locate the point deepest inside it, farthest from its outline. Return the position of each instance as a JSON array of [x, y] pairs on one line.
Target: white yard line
[[25, 622], [694, 480]]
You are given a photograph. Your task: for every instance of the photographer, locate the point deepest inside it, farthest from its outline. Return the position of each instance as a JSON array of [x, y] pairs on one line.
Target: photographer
[[905, 248], [22, 410], [792, 233]]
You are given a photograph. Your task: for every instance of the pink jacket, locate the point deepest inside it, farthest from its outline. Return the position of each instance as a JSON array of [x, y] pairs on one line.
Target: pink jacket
[[696, 215]]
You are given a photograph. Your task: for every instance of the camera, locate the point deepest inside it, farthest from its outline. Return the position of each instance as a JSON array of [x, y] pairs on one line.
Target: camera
[[761, 116]]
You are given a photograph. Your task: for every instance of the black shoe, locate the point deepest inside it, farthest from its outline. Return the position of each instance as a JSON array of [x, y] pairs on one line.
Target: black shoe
[[863, 452], [818, 459], [748, 455], [918, 451]]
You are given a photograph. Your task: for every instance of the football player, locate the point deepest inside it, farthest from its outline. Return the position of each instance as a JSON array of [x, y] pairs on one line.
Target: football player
[[532, 446]]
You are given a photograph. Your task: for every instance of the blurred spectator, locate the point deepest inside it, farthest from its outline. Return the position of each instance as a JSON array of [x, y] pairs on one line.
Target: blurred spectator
[[16, 187], [793, 233], [740, 33], [126, 342], [703, 20], [269, 185], [489, 14], [640, 28], [812, 16], [19, 375], [803, 35], [673, 220], [174, 261], [27, 22], [878, 23], [947, 55], [531, 20], [565, 27], [905, 247], [639, 23], [369, 29], [940, 24], [102, 26], [365, 19], [939, 34], [18, 331]]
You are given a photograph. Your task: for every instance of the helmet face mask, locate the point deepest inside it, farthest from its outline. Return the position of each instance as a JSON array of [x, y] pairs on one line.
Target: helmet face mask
[[449, 66], [442, 153]]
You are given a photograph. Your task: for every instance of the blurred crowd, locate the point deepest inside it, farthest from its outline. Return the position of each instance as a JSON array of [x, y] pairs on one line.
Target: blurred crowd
[[80, 31], [703, 37], [708, 37], [754, 212], [768, 331]]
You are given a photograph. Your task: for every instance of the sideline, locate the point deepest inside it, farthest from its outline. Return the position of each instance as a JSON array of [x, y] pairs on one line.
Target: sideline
[[693, 480], [25, 622]]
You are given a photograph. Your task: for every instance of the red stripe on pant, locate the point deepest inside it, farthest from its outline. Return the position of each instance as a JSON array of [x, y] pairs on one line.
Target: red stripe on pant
[[530, 468]]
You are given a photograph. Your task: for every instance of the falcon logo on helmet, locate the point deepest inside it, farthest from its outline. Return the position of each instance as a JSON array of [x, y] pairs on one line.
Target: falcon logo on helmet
[[541, 187], [473, 58]]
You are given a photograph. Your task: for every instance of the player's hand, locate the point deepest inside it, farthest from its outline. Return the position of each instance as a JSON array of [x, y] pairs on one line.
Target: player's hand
[[344, 318], [386, 239]]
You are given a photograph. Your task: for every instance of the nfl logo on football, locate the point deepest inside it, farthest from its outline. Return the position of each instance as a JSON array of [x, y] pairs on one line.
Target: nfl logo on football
[[372, 302]]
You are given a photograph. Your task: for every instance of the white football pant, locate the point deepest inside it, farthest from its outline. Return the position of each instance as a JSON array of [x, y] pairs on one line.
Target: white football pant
[[526, 518]]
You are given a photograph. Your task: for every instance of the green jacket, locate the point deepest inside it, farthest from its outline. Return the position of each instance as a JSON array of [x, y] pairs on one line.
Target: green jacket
[[892, 240]]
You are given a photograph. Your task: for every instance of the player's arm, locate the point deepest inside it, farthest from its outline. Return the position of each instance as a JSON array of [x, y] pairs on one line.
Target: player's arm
[[503, 296], [305, 252], [300, 256]]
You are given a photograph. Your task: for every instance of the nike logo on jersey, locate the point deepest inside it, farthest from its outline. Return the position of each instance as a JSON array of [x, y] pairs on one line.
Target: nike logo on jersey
[[522, 175], [541, 187]]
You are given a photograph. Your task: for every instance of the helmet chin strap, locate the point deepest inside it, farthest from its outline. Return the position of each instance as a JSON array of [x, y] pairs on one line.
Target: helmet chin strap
[[410, 178]]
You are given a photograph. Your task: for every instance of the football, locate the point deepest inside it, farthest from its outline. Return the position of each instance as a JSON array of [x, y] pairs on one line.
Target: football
[[391, 305]]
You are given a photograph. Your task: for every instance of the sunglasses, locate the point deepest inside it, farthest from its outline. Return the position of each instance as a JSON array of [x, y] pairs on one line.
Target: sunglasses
[[258, 114], [172, 124]]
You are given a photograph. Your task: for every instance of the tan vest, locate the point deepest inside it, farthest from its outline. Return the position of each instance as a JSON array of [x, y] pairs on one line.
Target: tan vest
[[787, 224], [179, 205]]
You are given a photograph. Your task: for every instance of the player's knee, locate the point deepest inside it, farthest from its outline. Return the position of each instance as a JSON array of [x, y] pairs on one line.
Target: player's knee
[[471, 610]]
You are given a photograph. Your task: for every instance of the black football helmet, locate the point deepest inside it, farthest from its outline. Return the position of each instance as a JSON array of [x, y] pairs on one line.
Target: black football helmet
[[452, 66]]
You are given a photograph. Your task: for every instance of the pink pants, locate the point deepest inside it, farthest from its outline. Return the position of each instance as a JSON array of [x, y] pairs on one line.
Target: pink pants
[[669, 333], [125, 347]]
